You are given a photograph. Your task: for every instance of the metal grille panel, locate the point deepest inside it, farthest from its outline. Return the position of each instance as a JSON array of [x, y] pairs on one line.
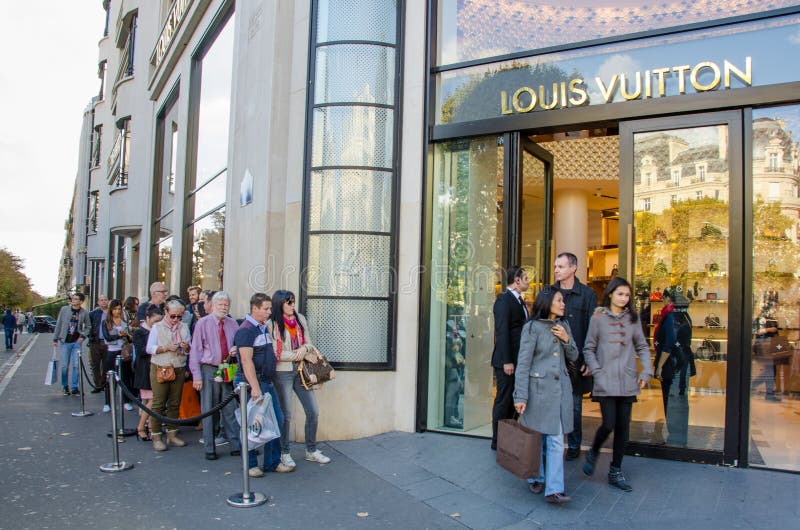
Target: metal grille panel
[[350, 199], [348, 265], [355, 72], [353, 136], [374, 20], [332, 329]]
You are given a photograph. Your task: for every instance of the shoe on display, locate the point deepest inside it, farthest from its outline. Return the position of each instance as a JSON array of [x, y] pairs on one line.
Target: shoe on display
[[128, 406], [287, 460], [106, 408], [317, 456]]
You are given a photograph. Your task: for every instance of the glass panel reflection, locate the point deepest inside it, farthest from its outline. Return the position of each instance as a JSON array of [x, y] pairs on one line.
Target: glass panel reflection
[[350, 199], [681, 268], [466, 246], [775, 383], [533, 223], [355, 72], [474, 29], [211, 195], [208, 250], [164, 249]]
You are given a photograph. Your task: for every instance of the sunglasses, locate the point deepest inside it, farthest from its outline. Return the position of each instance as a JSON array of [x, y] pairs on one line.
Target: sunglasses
[[175, 317], [290, 302]]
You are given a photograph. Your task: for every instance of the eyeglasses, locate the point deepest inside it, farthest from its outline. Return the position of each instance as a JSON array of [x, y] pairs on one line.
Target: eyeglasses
[[290, 302], [175, 317], [164, 291]]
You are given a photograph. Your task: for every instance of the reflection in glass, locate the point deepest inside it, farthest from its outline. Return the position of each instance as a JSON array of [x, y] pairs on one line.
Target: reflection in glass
[[474, 29], [533, 222], [208, 250], [466, 247], [681, 223], [775, 383], [350, 199], [211, 195], [164, 269]]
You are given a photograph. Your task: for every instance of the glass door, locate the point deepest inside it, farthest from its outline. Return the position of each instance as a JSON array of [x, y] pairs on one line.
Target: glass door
[[681, 212]]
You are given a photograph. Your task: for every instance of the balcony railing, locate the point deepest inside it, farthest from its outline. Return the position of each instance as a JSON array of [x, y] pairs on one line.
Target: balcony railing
[[125, 64]]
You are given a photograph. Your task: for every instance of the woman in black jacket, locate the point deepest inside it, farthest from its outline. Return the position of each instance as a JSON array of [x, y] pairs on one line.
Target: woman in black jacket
[[141, 365]]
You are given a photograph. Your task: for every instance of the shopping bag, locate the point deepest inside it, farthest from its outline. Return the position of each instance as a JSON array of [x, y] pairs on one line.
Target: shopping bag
[[262, 424], [52, 369], [518, 449]]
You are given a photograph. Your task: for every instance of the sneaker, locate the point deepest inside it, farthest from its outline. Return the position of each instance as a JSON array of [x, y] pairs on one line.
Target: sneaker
[[557, 498], [106, 408], [75, 392], [128, 406], [282, 468], [66, 390], [573, 453], [220, 440], [255, 472], [287, 460], [317, 456]]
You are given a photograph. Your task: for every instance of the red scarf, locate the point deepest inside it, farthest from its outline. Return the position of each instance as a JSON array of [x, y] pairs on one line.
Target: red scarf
[[666, 310]]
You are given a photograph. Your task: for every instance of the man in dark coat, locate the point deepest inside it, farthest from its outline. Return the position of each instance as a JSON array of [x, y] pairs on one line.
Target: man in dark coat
[[510, 314], [97, 346], [581, 302]]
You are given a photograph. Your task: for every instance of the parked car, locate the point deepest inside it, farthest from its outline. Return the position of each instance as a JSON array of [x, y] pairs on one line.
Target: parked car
[[44, 324]]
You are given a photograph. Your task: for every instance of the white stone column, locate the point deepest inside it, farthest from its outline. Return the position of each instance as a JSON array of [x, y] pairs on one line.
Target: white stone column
[[571, 226]]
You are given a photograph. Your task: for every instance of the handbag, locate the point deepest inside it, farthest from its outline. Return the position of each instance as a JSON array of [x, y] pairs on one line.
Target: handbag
[[126, 353], [52, 369], [707, 350], [713, 321], [772, 348], [165, 374], [312, 375], [518, 449]]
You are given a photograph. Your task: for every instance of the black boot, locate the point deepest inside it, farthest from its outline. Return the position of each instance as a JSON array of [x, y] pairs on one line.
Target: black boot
[[588, 466], [617, 479]]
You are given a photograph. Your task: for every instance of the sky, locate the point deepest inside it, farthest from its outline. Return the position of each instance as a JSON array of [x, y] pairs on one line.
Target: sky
[[48, 75]]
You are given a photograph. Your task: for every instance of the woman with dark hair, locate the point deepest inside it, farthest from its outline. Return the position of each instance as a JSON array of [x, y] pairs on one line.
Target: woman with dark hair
[[542, 381], [613, 342], [129, 308], [290, 333], [116, 334], [141, 368]]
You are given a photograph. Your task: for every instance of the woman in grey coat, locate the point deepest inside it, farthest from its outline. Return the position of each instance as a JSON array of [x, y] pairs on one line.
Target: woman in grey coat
[[613, 342], [543, 381]]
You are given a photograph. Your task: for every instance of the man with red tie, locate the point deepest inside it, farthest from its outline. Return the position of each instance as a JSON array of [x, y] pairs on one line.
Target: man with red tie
[[212, 344]]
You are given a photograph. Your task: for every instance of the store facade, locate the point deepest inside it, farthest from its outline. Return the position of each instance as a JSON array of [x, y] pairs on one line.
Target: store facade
[[664, 153]]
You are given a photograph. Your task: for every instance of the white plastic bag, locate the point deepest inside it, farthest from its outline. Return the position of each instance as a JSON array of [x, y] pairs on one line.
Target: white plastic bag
[[262, 424], [51, 376]]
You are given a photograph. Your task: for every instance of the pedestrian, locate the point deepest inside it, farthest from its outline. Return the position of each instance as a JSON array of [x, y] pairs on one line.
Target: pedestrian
[[212, 345], [31, 322], [141, 371], [290, 332], [72, 328], [97, 346], [20, 321], [542, 381], [116, 334], [129, 308], [158, 295], [510, 314], [765, 326], [580, 303], [190, 316], [9, 327], [168, 346], [613, 342], [672, 338], [257, 367]]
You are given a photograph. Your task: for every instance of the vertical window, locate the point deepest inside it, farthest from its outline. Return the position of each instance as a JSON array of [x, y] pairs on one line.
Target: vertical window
[[205, 199], [101, 73], [126, 41], [645, 204], [648, 179], [698, 195], [701, 173], [673, 198], [676, 177], [350, 186], [94, 210], [164, 183], [97, 134], [173, 157], [774, 162]]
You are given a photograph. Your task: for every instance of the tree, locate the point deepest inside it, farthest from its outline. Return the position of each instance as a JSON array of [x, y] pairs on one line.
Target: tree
[[15, 286]]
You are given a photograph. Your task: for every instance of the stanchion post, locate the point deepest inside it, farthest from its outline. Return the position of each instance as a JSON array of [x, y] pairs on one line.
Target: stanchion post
[[117, 397], [116, 465], [247, 498], [83, 412]]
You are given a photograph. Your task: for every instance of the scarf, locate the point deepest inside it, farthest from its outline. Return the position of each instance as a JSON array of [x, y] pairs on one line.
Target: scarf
[[174, 329], [666, 310], [295, 332]]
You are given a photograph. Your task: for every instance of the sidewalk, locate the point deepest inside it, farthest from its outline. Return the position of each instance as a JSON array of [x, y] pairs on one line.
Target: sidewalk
[[49, 463]]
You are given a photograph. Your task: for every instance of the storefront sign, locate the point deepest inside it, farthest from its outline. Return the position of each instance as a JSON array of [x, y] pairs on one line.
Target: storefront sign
[[703, 77], [171, 24]]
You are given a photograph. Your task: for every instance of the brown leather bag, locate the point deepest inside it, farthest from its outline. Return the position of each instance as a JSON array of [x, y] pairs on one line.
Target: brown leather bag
[[165, 374], [518, 449], [312, 375], [773, 348]]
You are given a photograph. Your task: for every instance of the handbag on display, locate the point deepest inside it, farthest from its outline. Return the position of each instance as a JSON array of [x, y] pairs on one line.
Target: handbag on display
[[518, 449], [312, 375], [50, 377], [165, 374], [707, 350], [773, 348], [713, 321]]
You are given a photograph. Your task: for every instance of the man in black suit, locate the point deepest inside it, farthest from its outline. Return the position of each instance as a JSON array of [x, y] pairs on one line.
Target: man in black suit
[[510, 314], [97, 346]]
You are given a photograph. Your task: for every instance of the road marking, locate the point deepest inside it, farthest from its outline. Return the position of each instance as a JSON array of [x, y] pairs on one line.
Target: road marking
[[20, 357]]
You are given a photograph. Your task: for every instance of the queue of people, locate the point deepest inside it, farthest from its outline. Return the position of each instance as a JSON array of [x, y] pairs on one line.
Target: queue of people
[[164, 342]]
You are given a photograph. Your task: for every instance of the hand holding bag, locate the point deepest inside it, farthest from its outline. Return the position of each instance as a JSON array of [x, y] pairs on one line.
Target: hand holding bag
[[312, 375], [518, 449], [165, 374], [262, 424], [50, 377]]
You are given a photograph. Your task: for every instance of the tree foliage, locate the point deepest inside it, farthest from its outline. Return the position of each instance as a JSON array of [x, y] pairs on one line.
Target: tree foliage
[[15, 286]]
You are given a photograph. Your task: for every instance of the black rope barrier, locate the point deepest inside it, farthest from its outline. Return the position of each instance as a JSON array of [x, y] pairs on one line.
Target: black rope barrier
[[175, 421], [86, 376]]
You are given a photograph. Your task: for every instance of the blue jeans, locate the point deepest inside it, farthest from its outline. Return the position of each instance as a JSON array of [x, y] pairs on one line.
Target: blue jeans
[[574, 438], [9, 337], [69, 356], [553, 477], [288, 382], [272, 449]]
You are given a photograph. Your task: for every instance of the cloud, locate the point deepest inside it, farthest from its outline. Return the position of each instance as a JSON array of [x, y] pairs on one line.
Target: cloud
[[614, 65], [795, 39]]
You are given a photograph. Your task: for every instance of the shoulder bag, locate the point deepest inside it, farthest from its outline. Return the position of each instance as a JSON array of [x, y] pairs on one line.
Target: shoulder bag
[[165, 374], [312, 375]]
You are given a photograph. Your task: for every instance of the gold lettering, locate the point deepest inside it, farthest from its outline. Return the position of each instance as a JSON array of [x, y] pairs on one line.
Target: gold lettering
[[542, 99], [575, 89], [746, 76], [661, 88], [696, 73], [504, 103], [563, 94], [608, 93], [517, 94], [623, 87], [681, 70], [647, 84]]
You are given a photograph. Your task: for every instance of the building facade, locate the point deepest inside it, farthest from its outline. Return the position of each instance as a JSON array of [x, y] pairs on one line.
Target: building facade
[[387, 160]]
